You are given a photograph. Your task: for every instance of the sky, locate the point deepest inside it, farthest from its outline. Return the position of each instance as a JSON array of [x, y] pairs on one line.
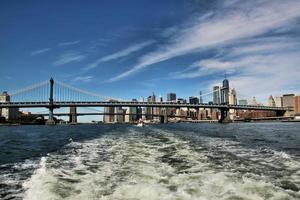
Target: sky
[[129, 49]]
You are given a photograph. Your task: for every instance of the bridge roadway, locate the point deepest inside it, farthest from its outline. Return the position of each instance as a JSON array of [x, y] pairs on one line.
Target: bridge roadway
[[101, 113], [60, 104]]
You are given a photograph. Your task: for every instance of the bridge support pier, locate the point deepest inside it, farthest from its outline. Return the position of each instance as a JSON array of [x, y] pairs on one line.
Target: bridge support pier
[[73, 115], [224, 118], [51, 121], [166, 116], [163, 116]]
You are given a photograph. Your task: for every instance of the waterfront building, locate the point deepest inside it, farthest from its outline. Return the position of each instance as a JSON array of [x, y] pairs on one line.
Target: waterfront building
[[278, 101], [215, 115], [8, 113], [181, 112], [202, 115], [216, 95], [171, 97], [297, 104], [194, 100], [271, 101], [243, 102], [252, 114], [225, 92]]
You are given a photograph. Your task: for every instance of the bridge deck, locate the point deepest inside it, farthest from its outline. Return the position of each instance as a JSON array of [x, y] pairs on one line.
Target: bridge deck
[[134, 104]]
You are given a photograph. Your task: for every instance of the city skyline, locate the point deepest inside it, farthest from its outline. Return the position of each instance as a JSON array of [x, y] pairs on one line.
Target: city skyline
[[125, 51]]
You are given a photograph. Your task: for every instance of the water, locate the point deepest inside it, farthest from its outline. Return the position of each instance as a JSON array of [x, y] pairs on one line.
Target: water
[[174, 161]]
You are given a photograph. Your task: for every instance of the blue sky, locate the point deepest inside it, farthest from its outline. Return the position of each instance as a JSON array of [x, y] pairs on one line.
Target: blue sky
[[127, 49]]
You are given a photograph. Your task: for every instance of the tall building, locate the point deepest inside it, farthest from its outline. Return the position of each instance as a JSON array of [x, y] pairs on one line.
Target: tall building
[[232, 101], [278, 101], [200, 97], [171, 97], [216, 95], [151, 110], [243, 102], [119, 117], [109, 116], [181, 100], [132, 113], [225, 92], [288, 100], [271, 101], [193, 100], [254, 102], [8, 113], [232, 97], [143, 109], [160, 99]]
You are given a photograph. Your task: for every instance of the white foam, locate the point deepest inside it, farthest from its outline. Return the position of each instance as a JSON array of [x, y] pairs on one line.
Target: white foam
[[131, 167]]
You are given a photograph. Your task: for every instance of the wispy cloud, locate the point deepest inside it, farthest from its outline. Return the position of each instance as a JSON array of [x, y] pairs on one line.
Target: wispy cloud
[[69, 43], [40, 51], [83, 78], [68, 58], [227, 25], [125, 52], [259, 68]]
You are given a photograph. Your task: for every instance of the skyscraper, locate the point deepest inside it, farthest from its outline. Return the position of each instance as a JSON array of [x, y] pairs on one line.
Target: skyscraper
[[200, 97], [288, 100], [193, 100], [171, 97], [109, 116], [254, 102], [271, 101], [225, 92], [216, 95], [278, 101], [232, 97]]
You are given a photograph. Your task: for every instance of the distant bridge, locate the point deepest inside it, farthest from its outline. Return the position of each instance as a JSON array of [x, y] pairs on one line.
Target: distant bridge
[[51, 96]]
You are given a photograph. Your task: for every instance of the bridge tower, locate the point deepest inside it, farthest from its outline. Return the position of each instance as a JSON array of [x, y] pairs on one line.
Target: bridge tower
[[51, 121], [73, 115]]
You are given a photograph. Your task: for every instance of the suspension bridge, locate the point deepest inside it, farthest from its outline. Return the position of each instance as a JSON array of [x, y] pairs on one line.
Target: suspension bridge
[[53, 95]]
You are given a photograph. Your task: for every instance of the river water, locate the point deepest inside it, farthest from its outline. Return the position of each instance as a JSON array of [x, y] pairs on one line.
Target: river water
[[172, 161]]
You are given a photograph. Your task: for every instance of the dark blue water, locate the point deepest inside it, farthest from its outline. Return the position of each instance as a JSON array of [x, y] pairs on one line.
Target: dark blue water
[[173, 161]]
